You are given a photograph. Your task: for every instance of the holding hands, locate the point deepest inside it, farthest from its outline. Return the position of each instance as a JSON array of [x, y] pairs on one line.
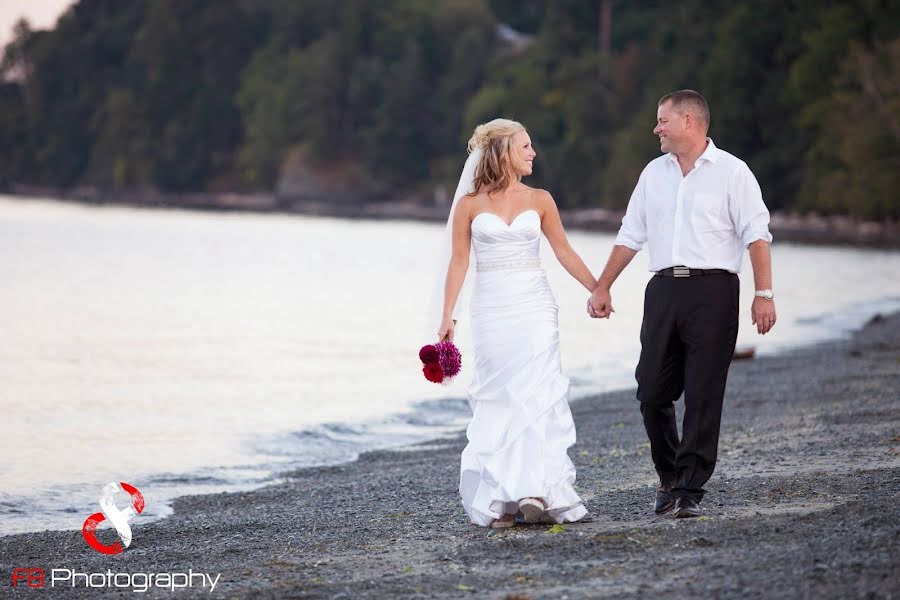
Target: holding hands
[[599, 305]]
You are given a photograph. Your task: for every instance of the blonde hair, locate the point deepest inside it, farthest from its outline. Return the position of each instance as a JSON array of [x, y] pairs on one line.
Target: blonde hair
[[493, 172]]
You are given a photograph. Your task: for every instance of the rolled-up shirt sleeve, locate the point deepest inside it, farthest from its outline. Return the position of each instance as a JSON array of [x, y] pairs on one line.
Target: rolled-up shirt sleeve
[[746, 207], [633, 232]]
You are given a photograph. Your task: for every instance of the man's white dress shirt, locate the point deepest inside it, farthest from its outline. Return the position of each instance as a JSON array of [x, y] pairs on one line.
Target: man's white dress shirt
[[703, 220]]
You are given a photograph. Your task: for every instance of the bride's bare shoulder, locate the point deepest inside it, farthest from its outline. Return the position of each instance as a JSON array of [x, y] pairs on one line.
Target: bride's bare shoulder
[[541, 199], [536, 193], [467, 205], [471, 202]]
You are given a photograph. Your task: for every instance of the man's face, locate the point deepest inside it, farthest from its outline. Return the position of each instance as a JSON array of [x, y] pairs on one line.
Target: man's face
[[671, 127]]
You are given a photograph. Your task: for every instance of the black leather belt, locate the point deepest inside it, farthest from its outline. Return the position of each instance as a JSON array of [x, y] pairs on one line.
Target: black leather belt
[[686, 272]]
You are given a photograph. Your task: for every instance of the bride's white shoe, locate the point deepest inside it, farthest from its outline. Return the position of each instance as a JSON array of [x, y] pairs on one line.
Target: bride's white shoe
[[532, 509]]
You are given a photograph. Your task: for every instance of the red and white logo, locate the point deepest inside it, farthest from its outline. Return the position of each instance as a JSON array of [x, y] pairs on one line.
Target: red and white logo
[[117, 518]]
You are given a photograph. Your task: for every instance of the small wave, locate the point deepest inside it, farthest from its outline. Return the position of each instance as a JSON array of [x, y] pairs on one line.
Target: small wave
[[332, 443], [181, 478], [852, 317]]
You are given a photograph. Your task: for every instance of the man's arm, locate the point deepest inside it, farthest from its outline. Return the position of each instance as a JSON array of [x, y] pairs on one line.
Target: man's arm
[[629, 241], [601, 300], [762, 311]]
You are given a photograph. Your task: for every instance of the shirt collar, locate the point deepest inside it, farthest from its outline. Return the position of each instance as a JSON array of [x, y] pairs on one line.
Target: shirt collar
[[711, 154]]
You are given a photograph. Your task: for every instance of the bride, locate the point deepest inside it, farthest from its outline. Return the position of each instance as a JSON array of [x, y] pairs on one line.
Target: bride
[[521, 426]]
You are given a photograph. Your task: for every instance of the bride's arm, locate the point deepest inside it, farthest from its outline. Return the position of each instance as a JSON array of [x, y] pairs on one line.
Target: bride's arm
[[552, 227], [459, 262]]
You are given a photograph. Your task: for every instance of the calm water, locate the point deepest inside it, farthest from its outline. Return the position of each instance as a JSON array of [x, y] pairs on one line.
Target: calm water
[[189, 352]]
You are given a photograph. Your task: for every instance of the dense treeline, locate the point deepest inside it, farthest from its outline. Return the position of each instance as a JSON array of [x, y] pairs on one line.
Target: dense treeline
[[181, 95]]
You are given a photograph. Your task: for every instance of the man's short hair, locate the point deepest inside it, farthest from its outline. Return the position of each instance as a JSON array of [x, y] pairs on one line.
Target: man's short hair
[[688, 101]]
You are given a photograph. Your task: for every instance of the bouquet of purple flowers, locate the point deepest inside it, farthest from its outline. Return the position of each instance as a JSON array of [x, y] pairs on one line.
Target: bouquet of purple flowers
[[442, 361]]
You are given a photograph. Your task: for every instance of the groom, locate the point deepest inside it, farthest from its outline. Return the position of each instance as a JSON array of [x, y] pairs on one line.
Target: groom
[[696, 207]]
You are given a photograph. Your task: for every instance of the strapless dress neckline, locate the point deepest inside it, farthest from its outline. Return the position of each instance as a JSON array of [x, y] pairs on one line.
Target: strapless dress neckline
[[499, 218]]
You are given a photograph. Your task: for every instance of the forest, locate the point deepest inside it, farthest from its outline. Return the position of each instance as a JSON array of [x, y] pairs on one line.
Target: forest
[[191, 95]]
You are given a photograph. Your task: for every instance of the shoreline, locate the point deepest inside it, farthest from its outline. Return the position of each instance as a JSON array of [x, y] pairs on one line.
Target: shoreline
[[804, 493], [785, 227], [416, 411]]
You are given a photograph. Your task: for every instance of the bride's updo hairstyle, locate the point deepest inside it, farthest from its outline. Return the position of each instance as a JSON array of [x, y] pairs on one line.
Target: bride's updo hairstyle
[[493, 173]]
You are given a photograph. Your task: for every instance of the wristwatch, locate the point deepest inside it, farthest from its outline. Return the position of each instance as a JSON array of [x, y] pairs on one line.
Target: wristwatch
[[767, 294]]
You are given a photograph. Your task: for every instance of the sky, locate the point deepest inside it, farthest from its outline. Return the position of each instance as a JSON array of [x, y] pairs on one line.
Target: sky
[[42, 14]]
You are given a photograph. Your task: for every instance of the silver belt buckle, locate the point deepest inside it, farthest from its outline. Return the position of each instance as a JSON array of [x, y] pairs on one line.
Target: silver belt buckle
[[681, 272]]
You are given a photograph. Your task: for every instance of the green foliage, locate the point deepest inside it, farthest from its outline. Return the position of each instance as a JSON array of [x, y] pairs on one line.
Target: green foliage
[[192, 95], [384, 83], [863, 119], [522, 15], [121, 156], [826, 91]]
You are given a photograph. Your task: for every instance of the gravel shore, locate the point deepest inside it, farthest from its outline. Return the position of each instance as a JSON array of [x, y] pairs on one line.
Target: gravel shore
[[804, 503]]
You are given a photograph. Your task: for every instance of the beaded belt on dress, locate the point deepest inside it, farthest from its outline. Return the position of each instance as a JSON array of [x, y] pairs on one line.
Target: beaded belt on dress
[[502, 265]]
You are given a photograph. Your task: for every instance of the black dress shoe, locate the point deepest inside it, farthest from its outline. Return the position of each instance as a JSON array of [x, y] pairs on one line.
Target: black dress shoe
[[664, 500], [687, 507]]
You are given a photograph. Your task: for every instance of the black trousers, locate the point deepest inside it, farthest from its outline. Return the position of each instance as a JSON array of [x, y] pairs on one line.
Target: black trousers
[[687, 343]]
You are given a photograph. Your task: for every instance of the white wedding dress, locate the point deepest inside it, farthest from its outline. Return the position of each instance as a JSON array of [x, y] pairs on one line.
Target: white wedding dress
[[521, 425]]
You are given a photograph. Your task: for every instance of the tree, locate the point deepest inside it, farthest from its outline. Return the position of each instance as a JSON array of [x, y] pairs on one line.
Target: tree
[[192, 95], [864, 118], [396, 146]]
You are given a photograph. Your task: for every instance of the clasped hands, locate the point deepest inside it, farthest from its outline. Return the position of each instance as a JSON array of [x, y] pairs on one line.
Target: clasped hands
[[599, 305]]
